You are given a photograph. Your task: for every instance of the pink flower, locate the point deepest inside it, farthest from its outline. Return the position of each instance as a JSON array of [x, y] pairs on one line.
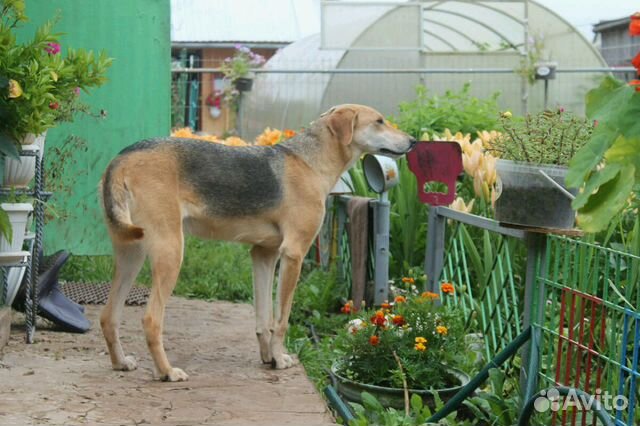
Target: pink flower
[[77, 91], [52, 48]]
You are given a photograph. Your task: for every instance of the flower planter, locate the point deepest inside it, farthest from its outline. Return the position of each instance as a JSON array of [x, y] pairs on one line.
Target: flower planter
[[527, 198], [243, 84], [394, 397], [12, 250], [18, 173]]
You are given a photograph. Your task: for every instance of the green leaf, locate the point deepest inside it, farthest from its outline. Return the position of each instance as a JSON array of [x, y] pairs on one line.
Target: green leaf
[[628, 121], [416, 403], [5, 226], [371, 403], [594, 182], [590, 155], [609, 200], [4, 82], [497, 378], [8, 146], [605, 102], [625, 151]]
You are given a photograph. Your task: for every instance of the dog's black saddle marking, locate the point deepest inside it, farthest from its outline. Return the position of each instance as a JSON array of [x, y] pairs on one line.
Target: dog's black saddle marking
[[232, 181]]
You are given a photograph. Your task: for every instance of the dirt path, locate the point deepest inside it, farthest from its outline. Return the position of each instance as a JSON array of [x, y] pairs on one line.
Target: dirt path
[[65, 378]]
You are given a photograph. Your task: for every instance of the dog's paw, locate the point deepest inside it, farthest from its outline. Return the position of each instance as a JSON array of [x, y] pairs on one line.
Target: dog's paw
[[265, 347], [175, 375], [128, 364], [282, 362]]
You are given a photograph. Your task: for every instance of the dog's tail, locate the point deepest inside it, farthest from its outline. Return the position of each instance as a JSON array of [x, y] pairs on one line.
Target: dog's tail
[[116, 207]]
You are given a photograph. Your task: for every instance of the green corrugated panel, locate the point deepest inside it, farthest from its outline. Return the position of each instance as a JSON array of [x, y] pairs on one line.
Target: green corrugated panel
[[137, 99]]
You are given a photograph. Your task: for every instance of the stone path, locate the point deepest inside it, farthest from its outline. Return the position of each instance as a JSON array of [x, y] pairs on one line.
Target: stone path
[[65, 379]]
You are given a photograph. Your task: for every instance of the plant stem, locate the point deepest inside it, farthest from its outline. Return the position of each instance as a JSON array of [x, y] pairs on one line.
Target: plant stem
[[404, 384]]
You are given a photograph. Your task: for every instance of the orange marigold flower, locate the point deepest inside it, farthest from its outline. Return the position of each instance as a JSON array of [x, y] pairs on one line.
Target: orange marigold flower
[[378, 319], [420, 347], [421, 339], [408, 280], [288, 133], [347, 308], [447, 288], [441, 329], [386, 305], [374, 340], [400, 299], [636, 62], [269, 137], [634, 25], [398, 320], [636, 84], [429, 295]]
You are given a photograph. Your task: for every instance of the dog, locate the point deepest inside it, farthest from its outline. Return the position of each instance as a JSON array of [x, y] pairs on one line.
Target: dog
[[272, 198]]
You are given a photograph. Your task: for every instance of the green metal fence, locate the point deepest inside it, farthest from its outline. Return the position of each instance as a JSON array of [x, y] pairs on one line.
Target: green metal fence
[[580, 300], [587, 311]]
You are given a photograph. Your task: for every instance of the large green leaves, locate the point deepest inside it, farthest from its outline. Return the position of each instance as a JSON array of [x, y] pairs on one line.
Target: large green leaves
[[607, 167], [610, 198]]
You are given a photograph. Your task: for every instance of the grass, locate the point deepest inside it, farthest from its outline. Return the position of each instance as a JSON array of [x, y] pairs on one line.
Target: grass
[[211, 270]]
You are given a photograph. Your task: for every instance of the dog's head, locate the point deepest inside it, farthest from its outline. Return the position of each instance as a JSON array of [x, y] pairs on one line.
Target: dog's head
[[365, 131]]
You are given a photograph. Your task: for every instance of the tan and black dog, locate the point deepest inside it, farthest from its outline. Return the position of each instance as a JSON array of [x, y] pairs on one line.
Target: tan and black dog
[[270, 197]]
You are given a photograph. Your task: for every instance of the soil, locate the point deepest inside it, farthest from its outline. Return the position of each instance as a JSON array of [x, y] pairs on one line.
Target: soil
[[66, 379]]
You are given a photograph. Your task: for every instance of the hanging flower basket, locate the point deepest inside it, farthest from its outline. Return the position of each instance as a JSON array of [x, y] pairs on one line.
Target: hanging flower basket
[[243, 84]]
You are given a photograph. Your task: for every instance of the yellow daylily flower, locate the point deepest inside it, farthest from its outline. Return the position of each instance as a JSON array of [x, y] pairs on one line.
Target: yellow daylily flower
[[459, 205], [15, 90]]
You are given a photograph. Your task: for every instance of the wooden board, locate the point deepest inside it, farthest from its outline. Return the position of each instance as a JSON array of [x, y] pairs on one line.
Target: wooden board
[[565, 232]]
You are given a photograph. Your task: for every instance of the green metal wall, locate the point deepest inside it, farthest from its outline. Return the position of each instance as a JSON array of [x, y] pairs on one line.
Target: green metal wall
[[136, 98]]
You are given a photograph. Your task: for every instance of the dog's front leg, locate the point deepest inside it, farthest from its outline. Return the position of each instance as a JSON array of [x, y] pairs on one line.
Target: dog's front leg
[[264, 266], [290, 264]]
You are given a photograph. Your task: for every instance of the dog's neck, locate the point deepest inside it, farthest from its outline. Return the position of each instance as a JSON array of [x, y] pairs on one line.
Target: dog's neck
[[322, 153]]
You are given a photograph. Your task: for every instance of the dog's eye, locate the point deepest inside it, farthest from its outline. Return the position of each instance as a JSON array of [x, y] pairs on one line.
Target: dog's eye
[[380, 121]]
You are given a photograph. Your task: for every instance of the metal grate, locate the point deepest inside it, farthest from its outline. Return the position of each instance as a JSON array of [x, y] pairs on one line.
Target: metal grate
[[98, 293]]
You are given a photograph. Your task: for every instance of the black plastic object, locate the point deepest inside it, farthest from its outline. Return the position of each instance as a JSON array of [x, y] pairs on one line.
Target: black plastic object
[[53, 305]]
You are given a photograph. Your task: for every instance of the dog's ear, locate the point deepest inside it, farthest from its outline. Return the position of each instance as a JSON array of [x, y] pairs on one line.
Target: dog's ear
[[342, 124], [327, 112]]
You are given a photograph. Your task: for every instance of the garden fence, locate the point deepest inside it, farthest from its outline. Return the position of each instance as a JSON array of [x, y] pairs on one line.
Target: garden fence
[[581, 301], [192, 85]]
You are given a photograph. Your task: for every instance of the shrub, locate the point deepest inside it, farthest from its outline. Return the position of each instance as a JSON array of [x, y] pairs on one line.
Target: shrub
[[456, 111]]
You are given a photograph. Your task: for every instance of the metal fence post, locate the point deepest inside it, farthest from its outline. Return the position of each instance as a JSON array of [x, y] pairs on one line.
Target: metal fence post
[[382, 209], [434, 256], [536, 259]]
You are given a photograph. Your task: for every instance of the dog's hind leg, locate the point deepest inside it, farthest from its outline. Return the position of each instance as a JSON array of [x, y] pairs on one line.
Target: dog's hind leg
[[290, 265], [129, 258], [264, 266], [165, 253]]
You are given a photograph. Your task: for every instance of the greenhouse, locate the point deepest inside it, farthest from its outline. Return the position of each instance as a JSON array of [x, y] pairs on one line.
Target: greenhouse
[[379, 58]]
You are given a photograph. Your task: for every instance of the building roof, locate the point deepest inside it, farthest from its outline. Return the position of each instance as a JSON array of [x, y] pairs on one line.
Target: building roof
[[258, 22], [611, 24]]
